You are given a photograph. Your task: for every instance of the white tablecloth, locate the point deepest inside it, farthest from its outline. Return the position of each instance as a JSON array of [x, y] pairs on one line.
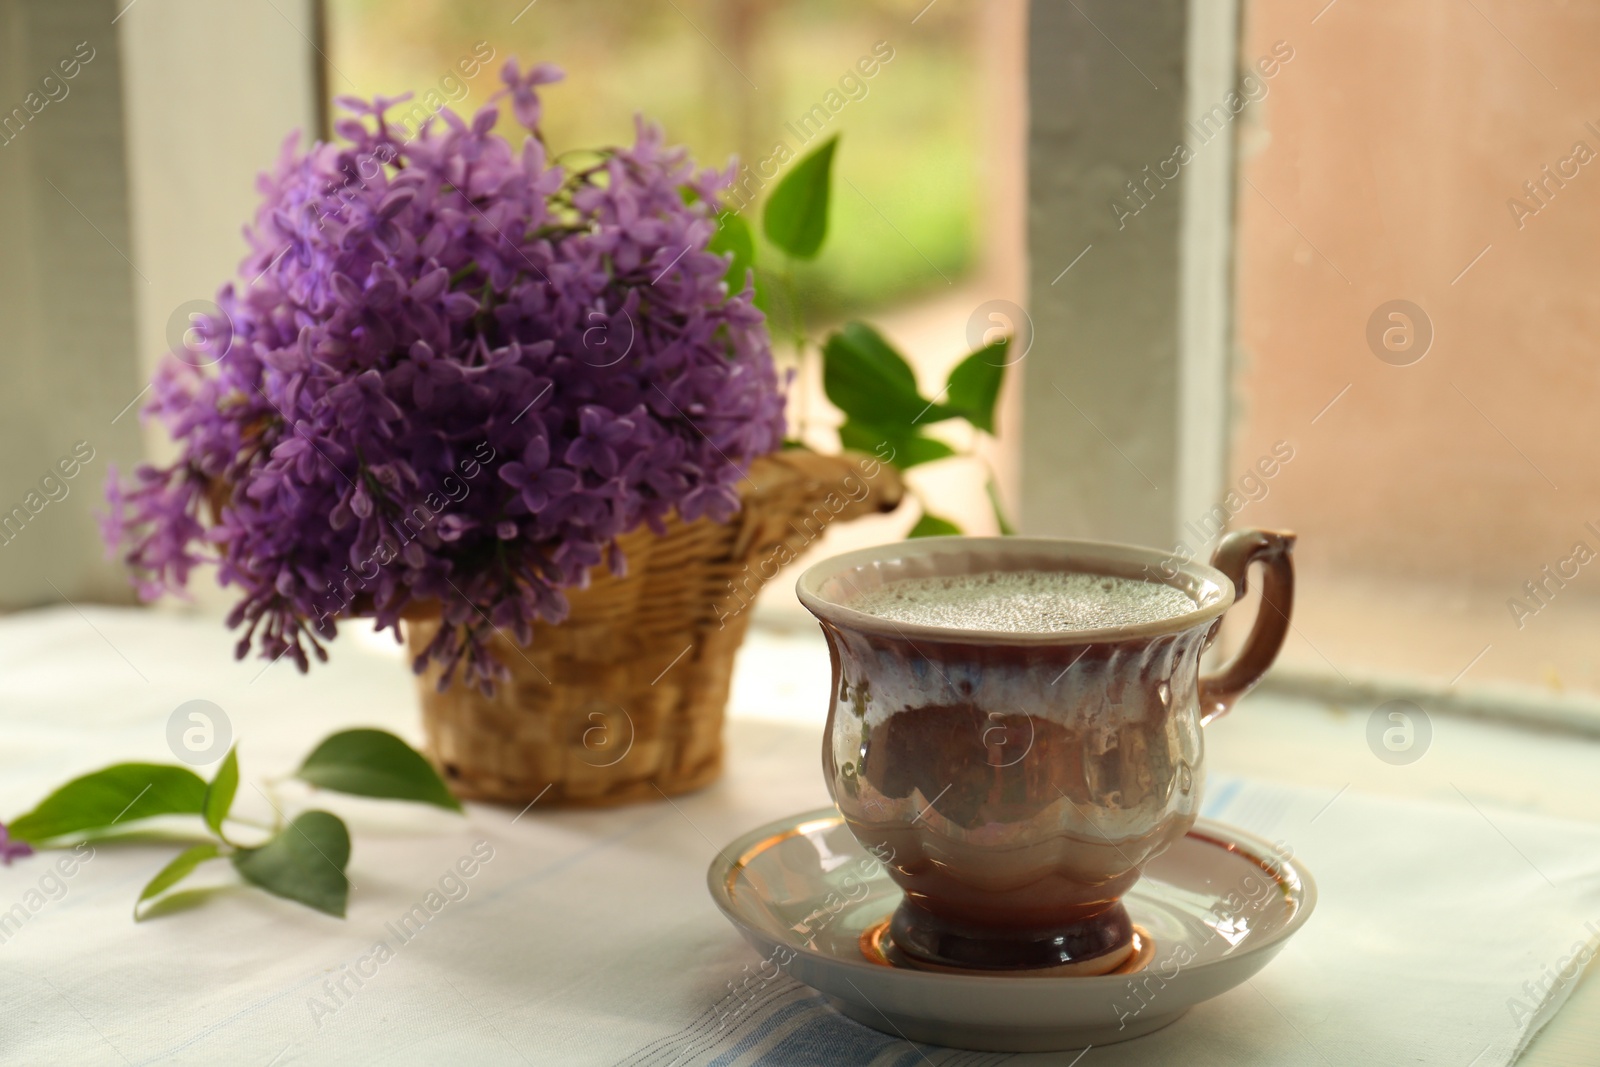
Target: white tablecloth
[[588, 937]]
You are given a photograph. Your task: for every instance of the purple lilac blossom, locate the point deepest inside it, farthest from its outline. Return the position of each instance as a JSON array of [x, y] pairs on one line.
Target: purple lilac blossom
[[9, 849], [452, 310]]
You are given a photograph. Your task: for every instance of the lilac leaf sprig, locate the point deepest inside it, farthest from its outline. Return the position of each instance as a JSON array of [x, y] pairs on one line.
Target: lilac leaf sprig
[[863, 374], [302, 859]]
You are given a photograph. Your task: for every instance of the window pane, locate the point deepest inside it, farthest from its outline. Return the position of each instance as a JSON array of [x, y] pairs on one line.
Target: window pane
[[1416, 314]]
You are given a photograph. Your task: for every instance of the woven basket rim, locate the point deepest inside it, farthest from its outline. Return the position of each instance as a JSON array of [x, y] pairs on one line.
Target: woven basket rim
[[889, 497]]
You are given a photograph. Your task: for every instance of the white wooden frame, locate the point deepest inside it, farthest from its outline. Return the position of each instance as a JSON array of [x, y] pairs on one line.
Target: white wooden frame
[[120, 203], [1125, 416]]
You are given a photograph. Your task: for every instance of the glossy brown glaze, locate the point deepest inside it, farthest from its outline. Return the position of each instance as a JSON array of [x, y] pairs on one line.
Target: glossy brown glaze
[[1233, 557], [1018, 782]]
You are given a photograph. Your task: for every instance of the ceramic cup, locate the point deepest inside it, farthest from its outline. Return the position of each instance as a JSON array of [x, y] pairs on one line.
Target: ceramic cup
[[1015, 784]]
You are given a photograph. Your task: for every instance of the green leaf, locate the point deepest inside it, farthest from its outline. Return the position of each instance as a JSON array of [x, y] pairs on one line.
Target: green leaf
[[122, 793], [219, 794], [173, 873], [993, 489], [872, 383], [933, 526], [974, 385], [373, 763], [733, 238], [906, 450], [303, 862], [795, 217], [763, 296]]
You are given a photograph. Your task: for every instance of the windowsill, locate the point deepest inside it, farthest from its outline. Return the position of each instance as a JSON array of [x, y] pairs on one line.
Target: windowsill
[[1493, 762]]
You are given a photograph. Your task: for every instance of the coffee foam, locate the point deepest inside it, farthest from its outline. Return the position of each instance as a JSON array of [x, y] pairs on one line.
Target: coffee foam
[[1025, 601]]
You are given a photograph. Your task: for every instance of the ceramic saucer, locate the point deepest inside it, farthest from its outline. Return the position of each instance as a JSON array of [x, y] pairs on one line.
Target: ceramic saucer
[[1210, 911]]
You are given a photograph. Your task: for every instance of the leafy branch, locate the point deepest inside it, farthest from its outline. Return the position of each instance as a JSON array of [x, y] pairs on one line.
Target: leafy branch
[[863, 375], [302, 860]]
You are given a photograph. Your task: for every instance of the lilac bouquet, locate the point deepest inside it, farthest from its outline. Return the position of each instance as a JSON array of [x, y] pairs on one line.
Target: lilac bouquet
[[454, 371]]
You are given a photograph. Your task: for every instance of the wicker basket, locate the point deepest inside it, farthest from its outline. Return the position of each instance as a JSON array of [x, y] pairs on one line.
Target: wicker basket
[[623, 701]]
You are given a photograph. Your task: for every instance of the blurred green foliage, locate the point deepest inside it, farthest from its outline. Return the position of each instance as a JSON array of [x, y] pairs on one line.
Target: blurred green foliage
[[734, 76]]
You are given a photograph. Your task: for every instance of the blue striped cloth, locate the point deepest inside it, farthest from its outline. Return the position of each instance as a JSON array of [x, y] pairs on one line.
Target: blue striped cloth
[[789, 1025]]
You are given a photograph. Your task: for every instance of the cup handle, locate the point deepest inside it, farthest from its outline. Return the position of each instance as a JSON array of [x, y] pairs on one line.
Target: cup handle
[[1274, 551]]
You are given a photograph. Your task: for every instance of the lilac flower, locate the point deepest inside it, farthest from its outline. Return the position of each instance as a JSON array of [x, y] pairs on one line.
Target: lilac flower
[[534, 478], [599, 434], [9, 849], [525, 102], [450, 375]]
